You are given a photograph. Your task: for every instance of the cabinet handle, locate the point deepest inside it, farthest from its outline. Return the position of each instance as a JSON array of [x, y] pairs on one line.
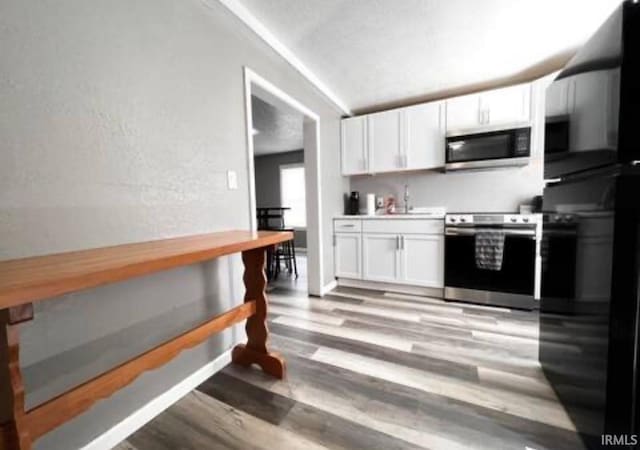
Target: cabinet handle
[[397, 242], [401, 242], [488, 116]]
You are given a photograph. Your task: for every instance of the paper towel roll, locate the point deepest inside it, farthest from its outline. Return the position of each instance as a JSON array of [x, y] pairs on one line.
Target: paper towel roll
[[371, 204]]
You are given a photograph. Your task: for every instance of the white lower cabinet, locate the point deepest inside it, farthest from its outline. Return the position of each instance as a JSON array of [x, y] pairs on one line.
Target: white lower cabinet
[[407, 252], [380, 257], [348, 255], [422, 260]]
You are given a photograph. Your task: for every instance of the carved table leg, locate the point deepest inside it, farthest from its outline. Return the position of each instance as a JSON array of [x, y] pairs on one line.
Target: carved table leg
[[13, 431], [255, 350]]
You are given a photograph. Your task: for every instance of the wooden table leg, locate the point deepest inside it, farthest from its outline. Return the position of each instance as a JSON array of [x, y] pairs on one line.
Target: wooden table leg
[[255, 350], [13, 432]]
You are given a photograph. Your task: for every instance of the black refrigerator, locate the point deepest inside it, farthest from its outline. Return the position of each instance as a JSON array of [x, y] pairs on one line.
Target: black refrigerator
[[589, 306]]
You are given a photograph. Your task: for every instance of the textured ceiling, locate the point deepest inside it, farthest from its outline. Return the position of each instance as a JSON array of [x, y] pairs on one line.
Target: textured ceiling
[[277, 131], [377, 53]]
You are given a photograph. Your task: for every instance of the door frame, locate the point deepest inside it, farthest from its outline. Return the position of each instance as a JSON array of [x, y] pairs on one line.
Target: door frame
[[255, 84]]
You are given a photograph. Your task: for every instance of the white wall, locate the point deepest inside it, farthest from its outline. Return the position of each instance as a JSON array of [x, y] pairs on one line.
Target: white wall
[[118, 121], [490, 191]]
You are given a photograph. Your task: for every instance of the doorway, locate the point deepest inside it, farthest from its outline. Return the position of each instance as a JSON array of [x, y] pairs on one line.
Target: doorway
[[281, 155]]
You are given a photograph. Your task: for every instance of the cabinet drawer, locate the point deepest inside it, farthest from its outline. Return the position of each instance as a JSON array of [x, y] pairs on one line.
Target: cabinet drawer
[[404, 226], [347, 225]]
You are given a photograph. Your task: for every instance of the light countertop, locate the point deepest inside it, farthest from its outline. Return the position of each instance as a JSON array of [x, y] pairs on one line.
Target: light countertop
[[392, 217]]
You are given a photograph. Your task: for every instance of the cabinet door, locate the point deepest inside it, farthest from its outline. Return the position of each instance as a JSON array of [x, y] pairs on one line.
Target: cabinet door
[[380, 257], [557, 98], [422, 260], [354, 146], [593, 116], [463, 113], [384, 142], [348, 255], [511, 105], [425, 135]]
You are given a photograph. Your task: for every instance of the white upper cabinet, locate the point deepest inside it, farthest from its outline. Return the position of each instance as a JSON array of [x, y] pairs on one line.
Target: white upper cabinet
[[401, 139], [557, 98], [413, 138], [511, 105], [355, 156], [385, 148], [463, 113], [424, 132], [589, 103], [506, 106], [593, 115]]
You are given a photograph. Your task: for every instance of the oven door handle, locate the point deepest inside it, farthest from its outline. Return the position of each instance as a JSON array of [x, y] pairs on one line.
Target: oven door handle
[[450, 231]]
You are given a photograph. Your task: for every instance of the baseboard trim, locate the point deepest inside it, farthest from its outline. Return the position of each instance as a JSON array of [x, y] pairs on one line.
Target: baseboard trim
[[328, 288], [142, 416], [391, 287]]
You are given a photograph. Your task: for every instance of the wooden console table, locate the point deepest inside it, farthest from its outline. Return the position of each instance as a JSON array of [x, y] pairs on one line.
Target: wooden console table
[[29, 280]]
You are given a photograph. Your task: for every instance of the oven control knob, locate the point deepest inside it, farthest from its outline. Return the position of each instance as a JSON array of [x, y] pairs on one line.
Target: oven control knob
[[462, 219], [525, 219], [514, 220], [452, 219]]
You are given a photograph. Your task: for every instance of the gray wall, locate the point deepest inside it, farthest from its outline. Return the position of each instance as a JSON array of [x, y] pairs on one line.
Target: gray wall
[[119, 119], [267, 171]]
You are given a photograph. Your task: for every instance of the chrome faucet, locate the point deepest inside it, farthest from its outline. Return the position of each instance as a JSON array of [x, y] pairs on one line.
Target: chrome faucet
[[406, 198]]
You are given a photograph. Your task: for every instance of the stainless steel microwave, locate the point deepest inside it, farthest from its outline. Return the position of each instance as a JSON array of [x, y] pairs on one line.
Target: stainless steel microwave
[[502, 148]]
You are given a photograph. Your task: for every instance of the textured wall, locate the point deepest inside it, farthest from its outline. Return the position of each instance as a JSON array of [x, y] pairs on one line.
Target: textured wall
[[118, 121]]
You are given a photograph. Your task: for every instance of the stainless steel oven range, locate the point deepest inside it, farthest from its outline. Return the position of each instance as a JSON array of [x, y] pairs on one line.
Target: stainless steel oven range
[[493, 259]]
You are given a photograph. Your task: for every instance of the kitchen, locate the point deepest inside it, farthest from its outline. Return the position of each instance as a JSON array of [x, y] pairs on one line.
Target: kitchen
[[494, 151], [522, 198], [316, 224]]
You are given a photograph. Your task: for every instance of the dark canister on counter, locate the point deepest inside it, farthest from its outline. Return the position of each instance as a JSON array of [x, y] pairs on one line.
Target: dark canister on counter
[[354, 203]]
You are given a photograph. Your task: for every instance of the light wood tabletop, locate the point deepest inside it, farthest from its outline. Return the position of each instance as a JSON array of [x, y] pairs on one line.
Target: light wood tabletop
[[38, 278]]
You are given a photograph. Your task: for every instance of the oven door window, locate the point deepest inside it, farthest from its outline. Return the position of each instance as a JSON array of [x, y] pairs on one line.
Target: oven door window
[[479, 148], [518, 266]]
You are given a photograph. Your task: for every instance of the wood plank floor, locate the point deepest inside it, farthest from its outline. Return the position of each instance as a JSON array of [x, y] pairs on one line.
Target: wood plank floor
[[378, 371]]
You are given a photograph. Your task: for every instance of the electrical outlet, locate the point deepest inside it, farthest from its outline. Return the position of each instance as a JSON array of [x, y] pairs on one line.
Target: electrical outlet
[[232, 179]]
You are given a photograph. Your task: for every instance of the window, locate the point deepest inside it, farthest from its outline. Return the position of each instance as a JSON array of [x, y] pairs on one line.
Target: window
[[292, 195]]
